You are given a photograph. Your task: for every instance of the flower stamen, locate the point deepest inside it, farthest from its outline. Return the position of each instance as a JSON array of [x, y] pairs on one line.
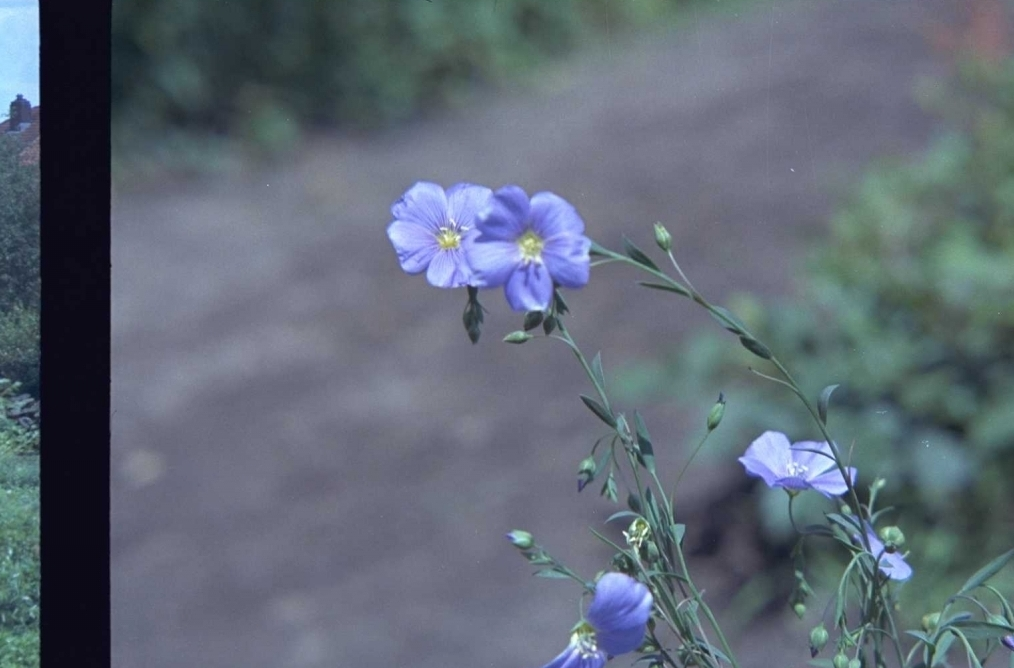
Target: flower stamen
[[530, 244], [448, 238]]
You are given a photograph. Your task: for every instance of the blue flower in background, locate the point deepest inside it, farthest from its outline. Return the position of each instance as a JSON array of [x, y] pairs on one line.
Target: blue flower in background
[[891, 565], [614, 625], [433, 229], [527, 246], [795, 467]]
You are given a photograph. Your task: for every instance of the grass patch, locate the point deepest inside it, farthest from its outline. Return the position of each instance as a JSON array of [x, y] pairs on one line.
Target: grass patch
[[19, 561]]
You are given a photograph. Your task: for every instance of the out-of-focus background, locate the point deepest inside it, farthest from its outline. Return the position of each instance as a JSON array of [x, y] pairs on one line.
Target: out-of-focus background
[[311, 464]]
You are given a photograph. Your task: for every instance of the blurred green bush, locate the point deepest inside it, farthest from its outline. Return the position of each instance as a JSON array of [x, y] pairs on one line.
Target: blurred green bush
[[910, 306], [263, 69], [19, 267]]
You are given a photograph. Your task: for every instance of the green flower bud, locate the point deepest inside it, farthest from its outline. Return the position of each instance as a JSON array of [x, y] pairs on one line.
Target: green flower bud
[[717, 411], [893, 539], [818, 638], [845, 509], [663, 238], [878, 484], [585, 472], [930, 621], [521, 539], [840, 661], [517, 337], [855, 663], [799, 609]]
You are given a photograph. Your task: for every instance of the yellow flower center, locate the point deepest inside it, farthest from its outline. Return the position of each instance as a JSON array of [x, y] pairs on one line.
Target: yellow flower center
[[448, 238], [583, 639], [530, 245]]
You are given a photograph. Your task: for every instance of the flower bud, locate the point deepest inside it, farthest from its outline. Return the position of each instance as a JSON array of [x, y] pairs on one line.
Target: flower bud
[[799, 609], [521, 539], [845, 509], [1008, 642], [893, 539], [878, 484], [517, 337], [855, 663], [840, 661], [717, 411], [663, 238], [930, 621], [818, 638], [585, 472]]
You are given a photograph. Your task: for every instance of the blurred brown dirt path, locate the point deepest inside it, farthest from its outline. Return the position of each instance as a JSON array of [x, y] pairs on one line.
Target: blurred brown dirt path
[[311, 465]]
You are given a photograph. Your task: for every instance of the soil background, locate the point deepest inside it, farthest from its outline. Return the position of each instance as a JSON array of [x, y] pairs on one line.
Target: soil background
[[311, 464]]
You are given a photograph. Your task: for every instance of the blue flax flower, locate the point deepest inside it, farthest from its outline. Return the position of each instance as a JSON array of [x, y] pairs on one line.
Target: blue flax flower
[[433, 229], [614, 625], [795, 467], [891, 565], [527, 246]]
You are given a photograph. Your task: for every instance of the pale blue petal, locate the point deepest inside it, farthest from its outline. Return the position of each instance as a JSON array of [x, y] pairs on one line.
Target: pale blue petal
[[464, 202], [619, 612], [424, 203], [803, 453], [830, 483], [414, 243], [529, 288], [768, 457], [492, 262], [553, 216], [505, 216], [567, 260], [448, 270], [891, 565]]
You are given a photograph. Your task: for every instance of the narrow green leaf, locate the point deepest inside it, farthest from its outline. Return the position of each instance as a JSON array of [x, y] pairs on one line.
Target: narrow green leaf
[[727, 320], [756, 347], [986, 572], [644, 443], [598, 250], [940, 653], [599, 410], [825, 396], [668, 288], [637, 255], [974, 629], [678, 531], [550, 573], [598, 376], [622, 514]]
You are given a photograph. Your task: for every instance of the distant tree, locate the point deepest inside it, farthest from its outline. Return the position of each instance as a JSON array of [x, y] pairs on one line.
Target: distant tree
[[19, 228]]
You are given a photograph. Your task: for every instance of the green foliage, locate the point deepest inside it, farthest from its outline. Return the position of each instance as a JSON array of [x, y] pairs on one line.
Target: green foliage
[[19, 228], [910, 307], [18, 436], [19, 347], [265, 68], [19, 560]]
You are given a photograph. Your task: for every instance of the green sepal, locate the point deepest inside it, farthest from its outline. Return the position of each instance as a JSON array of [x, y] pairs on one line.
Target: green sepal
[[549, 324], [532, 320]]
